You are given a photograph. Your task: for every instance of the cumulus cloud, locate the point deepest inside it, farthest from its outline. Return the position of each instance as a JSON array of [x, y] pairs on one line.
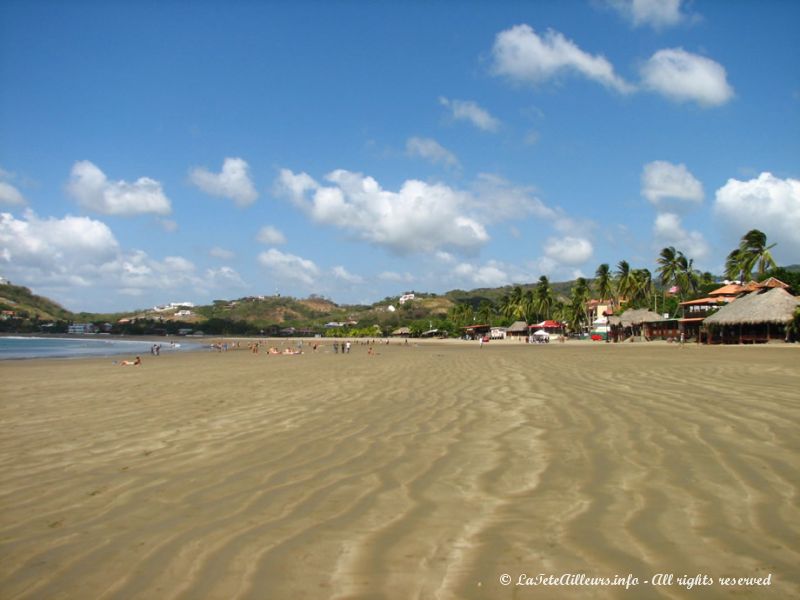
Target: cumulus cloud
[[491, 274], [93, 191], [663, 182], [419, 218], [342, 274], [568, 250], [658, 14], [495, 199], [768, 203], [224, 277], [288, 267], [232, 182], [432, 151], [221, 253], [467, 110], [523, 56], [685, 77], [10, 195], [52, 250], [271, 236], [669, 231], [55, 255]]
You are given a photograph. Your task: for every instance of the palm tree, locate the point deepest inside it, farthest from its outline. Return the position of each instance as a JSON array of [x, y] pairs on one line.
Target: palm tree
[[754, 252], [543, 297], [485, 311], [506, 307], [579, 296], [527, 306], [626, 282], [603, 283], [734, 268], [668, 267], [643, 287], [461, 314]]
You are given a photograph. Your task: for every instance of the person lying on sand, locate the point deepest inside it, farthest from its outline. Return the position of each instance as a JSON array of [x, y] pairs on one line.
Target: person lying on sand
[[135, 363]]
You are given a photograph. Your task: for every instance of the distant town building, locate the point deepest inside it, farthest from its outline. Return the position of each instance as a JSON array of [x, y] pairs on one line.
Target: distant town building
[[407, 297], [81, 328]]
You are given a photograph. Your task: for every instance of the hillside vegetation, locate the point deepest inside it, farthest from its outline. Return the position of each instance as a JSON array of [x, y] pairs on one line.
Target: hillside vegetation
[[27, 305]]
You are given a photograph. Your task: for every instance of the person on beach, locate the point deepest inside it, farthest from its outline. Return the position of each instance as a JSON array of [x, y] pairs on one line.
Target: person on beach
[[131, 363], [336, 347]]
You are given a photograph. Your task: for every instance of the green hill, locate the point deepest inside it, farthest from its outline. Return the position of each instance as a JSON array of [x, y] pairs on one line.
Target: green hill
[[24, 304]]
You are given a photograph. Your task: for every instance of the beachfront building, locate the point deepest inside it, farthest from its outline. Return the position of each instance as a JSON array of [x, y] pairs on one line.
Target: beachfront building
[[757, 317], [498, 333], [643, 323], [545, 329], [81, 328], [518, 330], [474, 332]]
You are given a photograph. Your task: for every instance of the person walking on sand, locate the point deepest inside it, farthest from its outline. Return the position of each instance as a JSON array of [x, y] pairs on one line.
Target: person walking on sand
[[336, 347]]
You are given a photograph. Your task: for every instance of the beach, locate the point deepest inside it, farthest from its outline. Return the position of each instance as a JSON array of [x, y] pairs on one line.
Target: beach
[[428, 470]]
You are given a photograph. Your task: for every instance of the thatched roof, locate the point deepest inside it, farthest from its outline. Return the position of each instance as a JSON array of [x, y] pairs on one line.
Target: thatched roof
[[637, 316], [517, 327], [402, 331], [775, 306]]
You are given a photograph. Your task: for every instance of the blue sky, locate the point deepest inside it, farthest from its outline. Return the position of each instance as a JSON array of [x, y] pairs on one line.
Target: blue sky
[[153, 152]]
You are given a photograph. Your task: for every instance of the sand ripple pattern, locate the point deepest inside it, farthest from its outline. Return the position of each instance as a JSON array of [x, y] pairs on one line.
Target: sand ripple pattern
[[424, 472]]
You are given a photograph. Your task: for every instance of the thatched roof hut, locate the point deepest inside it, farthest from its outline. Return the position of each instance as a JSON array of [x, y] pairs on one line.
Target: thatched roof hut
[[774, 306], [402, 331], [637, 316], [518, 327]]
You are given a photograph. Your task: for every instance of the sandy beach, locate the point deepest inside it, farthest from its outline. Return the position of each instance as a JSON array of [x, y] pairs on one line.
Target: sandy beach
[[436, 470]]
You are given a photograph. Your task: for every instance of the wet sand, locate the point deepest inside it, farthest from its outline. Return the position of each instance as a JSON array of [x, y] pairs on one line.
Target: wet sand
[[427, 471]]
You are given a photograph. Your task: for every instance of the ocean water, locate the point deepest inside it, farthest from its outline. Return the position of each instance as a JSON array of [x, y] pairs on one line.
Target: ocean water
[[17, 347]]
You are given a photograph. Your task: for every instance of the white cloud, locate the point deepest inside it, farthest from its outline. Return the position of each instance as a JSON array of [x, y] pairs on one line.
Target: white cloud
[[10, 195], [685, 77], [419, 218], [288, 267], [767, 203], [224, 277], [93, 191], [495, 199], [60, 250], [467, 110], [398, 277], [655, 13], [271, 236], [221, 253], [568, 250], [232, 182], [342, 274], [444, 257], [491, 274], [669, 231], [55, 255], [663, 181], [431, 150], [523, 56]]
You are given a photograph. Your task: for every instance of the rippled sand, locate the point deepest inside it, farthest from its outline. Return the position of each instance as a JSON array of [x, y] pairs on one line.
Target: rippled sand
[[423, 472]]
